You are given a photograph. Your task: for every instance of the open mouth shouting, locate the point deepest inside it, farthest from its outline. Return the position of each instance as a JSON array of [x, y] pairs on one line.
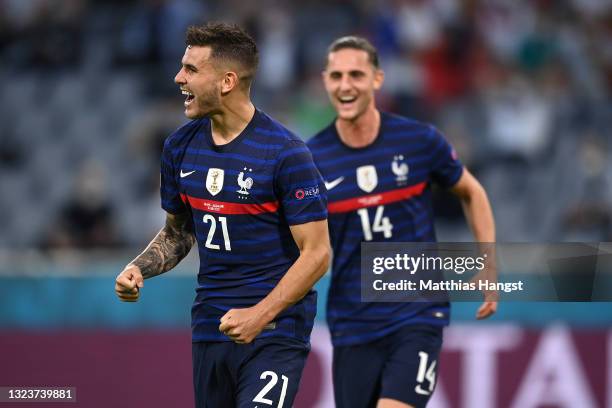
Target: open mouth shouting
[[189, 97]]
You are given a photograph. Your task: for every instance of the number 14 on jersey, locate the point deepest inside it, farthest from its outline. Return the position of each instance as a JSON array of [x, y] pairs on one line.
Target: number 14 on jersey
[[380, 224]]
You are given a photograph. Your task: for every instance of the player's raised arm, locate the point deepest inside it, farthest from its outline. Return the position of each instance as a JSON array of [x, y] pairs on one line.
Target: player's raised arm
[[312, 239], [477, 210], [166, 250]]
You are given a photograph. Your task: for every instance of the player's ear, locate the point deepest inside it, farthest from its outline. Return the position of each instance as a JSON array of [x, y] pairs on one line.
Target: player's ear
[[326, 80], [379, 79], [230, 81], [324, 76]]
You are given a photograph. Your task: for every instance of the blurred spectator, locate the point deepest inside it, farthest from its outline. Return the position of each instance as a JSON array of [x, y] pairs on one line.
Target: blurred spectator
[[86, 219], [152, 34], [11, 153], [277, 51], [519, 120], [588, 216], [44, 33], [145, 135]]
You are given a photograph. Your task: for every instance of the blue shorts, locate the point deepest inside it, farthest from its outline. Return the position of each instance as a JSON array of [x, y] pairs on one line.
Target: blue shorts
[[264, 373], [401, 366]]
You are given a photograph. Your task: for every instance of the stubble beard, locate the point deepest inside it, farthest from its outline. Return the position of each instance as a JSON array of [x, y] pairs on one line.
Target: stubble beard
[[207, 104]]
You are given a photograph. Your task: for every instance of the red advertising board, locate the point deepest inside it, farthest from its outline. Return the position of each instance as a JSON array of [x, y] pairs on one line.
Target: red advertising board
[[505, 366]]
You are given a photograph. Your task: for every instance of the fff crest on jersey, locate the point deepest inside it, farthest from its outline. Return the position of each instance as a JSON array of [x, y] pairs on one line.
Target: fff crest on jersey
[[214, 180], [244, 184], [400, 169], [367, 179]]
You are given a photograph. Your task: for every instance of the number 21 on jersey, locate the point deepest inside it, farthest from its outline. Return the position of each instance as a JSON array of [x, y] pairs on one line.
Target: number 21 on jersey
[[211, 232], [380, 224]]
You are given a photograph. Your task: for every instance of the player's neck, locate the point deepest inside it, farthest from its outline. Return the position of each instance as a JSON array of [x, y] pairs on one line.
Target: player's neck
[[231, 121], [360, 132]]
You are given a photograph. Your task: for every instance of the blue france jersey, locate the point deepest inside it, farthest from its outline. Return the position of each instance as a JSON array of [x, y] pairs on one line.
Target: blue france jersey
[[243, 196], [381, 192]]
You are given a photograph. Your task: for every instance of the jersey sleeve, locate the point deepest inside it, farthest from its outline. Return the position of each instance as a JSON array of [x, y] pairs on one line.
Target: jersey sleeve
[[299, 185], [446, 169], [169, 190]]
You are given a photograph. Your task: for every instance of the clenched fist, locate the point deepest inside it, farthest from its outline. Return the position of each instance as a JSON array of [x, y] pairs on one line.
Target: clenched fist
[[128, 283]]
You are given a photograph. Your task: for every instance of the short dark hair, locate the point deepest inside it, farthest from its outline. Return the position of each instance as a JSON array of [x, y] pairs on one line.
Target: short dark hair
[[227, 42], [357, 43]]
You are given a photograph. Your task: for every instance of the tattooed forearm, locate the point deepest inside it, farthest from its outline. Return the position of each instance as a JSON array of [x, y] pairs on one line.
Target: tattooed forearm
[[168, 248]]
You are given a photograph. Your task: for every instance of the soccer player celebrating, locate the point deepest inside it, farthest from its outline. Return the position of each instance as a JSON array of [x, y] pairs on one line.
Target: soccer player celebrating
[[246, 189], [378, 169]]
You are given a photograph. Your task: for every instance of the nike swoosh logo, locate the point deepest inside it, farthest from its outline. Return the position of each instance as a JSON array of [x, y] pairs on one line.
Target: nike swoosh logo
[[185, 174], [334, 183]]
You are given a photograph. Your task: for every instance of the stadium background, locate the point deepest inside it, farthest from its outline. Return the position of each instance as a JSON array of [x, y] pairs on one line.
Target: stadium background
[[521, 88]]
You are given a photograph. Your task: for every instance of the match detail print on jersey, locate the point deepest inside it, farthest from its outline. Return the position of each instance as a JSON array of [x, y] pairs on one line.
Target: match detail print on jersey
[[222, 207], [371, 200]]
